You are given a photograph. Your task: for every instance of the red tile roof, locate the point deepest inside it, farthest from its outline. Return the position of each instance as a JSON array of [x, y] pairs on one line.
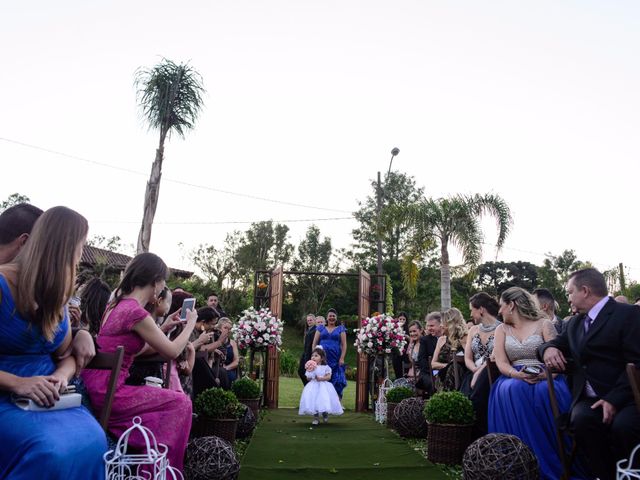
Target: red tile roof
[[116, 261]]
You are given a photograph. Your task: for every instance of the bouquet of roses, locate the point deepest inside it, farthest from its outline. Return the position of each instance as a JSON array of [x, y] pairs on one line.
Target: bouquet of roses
[[310, 366], [380, 334], [257, 329]]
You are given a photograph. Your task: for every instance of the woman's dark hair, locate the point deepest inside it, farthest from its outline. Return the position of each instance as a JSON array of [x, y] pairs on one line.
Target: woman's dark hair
[[483, 299], [178, 297], [207, 314], [403, 314], [144, 269], [323, 355], [332, 310], [93, 302]]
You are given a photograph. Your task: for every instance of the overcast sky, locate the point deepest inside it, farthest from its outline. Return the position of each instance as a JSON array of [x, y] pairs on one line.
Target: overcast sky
[[535, 101]]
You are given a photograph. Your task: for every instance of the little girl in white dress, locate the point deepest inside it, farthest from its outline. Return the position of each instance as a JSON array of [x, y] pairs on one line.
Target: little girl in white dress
[[319, 396]]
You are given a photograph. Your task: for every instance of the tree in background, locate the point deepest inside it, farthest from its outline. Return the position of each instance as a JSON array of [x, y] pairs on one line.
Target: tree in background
[[495, 277], [309, 292], [13, 199], [263, 246], [452, 221], [170, 96], [400, 191], [554, 273]]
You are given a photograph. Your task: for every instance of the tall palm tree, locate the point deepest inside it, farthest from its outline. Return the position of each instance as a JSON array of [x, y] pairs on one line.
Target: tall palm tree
[[451, 221], [170, 96]]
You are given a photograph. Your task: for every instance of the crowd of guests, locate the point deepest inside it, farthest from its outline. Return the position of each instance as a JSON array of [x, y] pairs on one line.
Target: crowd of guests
[[50, 329], [47, 338], [586, 353]]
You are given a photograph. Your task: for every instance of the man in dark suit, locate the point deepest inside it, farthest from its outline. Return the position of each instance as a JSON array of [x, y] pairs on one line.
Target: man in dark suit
[[433, 327], [306, 350], [600, 340]]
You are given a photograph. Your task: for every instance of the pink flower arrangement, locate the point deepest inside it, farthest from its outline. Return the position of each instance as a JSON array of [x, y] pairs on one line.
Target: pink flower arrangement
[[380, 335], [310, 366], [258, 330]]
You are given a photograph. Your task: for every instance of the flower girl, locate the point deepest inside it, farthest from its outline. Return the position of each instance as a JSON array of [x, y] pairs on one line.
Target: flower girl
[[318, 395]]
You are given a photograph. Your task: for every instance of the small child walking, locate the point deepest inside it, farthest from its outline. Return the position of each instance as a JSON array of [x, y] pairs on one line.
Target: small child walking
[[319, 396]]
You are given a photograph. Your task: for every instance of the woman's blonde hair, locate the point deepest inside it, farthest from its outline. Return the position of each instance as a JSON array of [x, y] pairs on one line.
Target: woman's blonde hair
[[456, 327], [526, 304], [46, 268]]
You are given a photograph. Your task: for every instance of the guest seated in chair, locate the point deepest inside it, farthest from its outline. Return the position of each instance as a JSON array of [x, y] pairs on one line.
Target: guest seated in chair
[[35, 337], [450, 344], [519, 402], [601, 339], [165, 412]]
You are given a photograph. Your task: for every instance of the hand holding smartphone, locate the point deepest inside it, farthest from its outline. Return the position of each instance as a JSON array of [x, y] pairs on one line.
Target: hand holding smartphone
[[187, 304]]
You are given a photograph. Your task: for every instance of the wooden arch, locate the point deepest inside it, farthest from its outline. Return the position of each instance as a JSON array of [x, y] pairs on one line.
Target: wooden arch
[[273, 299]]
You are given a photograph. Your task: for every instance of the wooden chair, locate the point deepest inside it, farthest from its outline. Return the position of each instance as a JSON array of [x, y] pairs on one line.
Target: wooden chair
[[562, 429], [113, 362], [633, 372], [157, 358], [493, 372]]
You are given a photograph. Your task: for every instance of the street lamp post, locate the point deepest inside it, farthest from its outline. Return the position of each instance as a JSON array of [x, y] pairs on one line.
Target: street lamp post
[[379, 198]]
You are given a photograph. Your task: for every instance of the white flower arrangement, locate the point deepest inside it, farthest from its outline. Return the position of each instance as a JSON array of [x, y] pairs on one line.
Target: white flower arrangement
[[380, 335], [258, 329]]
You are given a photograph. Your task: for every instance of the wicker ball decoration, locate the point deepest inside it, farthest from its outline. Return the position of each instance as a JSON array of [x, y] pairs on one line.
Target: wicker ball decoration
[[409, 420], [246, 424], [499, 455], [210, 457]]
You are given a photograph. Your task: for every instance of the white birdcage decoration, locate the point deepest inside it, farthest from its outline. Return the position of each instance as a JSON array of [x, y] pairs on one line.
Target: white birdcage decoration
[[152, 464], [381, 402], [629, 469]]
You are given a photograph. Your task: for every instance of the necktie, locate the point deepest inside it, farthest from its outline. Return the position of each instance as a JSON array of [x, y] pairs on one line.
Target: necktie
[[588, 389]]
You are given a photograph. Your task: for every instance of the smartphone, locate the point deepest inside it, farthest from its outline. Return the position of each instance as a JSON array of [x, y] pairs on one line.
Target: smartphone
[[532, 370], [187, 304]]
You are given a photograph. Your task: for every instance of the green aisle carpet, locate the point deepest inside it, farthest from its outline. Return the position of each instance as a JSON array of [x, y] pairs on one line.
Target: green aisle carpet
[[351, 446]]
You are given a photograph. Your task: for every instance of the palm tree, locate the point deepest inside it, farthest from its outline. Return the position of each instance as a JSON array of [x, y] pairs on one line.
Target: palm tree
[[170, 97], [451, 221]]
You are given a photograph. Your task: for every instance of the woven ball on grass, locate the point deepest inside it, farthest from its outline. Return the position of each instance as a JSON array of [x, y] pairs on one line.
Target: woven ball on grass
[[499, 455], [210, 457], [409, 420], [246, 424]]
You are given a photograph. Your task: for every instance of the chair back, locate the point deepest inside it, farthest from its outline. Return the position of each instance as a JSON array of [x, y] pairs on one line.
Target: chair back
[[493, 372], [157, 358], [113, 362], [633, 372]]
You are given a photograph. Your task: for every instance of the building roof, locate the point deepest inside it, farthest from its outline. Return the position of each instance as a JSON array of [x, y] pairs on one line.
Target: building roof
[[116, 261]]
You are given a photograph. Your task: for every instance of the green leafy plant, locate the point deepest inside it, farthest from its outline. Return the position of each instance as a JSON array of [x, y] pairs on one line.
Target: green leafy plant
[[246, 388], [288, 364], [449, 408], [397, 394], [218, 403]]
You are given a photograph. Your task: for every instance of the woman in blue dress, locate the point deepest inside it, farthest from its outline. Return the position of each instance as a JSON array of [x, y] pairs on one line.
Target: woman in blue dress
[[519, 400], [333, 338], [35, 336]]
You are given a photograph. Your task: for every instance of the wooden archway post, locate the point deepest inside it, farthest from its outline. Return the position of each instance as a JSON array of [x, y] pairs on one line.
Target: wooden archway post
[[273, 356], [364, 305]]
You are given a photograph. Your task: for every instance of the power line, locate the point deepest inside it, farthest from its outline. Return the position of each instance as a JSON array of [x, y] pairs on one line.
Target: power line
[[178, 182], [119, 222]]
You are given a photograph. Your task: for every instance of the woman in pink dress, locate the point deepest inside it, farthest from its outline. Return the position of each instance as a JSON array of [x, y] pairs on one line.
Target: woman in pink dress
[[165, 412]]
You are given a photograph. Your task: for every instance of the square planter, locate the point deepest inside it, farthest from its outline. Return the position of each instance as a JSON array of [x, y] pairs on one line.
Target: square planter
[[224, 428], [447, 443]]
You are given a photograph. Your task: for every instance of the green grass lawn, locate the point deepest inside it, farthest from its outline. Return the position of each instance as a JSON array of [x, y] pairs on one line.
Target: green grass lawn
[[291, 389]]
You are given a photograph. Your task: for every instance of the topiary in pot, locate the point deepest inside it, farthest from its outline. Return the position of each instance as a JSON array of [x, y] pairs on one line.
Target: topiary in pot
[[394, 396], [248, 393], [218, 413], [450, 417]]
